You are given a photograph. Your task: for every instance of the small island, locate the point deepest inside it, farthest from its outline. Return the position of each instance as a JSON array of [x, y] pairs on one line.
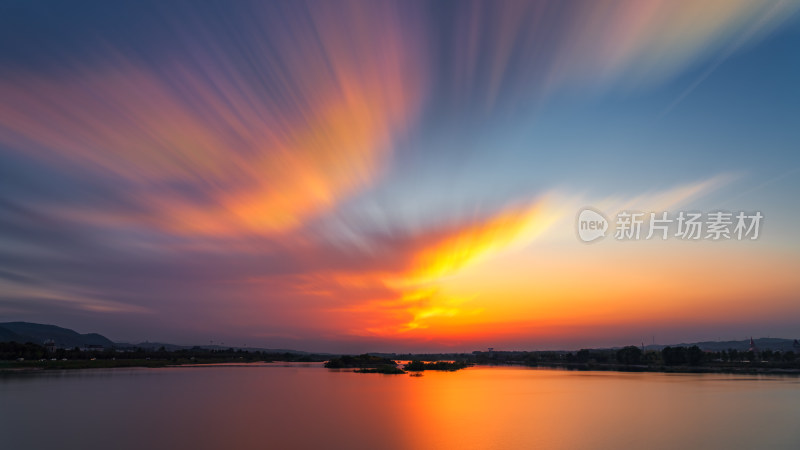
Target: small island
[[448, 366], [364, 361], [367, 363], [385, 369]]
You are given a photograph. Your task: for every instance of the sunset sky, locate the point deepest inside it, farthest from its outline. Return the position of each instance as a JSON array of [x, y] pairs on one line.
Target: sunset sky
[[380, 176]]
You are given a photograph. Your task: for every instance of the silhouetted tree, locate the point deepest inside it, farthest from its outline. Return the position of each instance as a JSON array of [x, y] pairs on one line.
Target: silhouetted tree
[[674, 356], [694, 355], [629, 355]]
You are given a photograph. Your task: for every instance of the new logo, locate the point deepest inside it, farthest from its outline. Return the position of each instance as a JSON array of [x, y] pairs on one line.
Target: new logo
[[591, 225]]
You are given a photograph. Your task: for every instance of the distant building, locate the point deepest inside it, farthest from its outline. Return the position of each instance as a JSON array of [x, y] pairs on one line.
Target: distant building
[[753, 348], [796, 346], [93, 348], [50, 345]]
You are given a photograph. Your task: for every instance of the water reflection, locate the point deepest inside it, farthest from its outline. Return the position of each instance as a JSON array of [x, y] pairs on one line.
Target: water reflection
[[286, 406]]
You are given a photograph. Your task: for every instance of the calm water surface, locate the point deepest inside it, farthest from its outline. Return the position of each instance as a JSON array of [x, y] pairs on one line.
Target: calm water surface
[[298, 406]]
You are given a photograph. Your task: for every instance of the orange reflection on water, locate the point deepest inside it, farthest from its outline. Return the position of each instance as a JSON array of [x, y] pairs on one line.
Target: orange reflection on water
[[521, 408]]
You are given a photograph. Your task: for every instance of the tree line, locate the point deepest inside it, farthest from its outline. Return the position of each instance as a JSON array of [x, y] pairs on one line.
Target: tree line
[[635, 356], [33, 352]]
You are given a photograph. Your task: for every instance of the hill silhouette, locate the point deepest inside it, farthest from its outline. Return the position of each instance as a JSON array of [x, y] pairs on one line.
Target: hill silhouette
[[38, 333]]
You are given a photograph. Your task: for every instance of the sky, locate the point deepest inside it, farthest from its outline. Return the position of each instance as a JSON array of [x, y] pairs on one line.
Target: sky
[[397, 176]]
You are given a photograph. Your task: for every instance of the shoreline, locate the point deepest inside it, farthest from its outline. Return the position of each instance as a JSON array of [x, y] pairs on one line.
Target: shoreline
[[47, 366], [732, 370], [16, 368]]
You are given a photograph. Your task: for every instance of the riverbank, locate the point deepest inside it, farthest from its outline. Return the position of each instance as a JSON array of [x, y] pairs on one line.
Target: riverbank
[[36, 366], [735, 370]]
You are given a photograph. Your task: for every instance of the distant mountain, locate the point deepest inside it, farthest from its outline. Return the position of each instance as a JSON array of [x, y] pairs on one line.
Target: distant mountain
[[773, 344], [8, 336], [38, 333]]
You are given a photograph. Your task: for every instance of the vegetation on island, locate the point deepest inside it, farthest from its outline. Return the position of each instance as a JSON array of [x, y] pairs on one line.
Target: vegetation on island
[[418, 366], [449, 366], [359, 362], [386, 369], [367, 363]]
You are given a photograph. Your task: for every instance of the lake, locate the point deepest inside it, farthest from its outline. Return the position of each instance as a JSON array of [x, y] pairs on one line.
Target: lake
[[305, 406]]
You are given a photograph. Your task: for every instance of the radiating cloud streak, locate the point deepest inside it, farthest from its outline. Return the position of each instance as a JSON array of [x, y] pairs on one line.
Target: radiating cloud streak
[[510, 55], [401, 295], [472, 241], [221, 148]]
